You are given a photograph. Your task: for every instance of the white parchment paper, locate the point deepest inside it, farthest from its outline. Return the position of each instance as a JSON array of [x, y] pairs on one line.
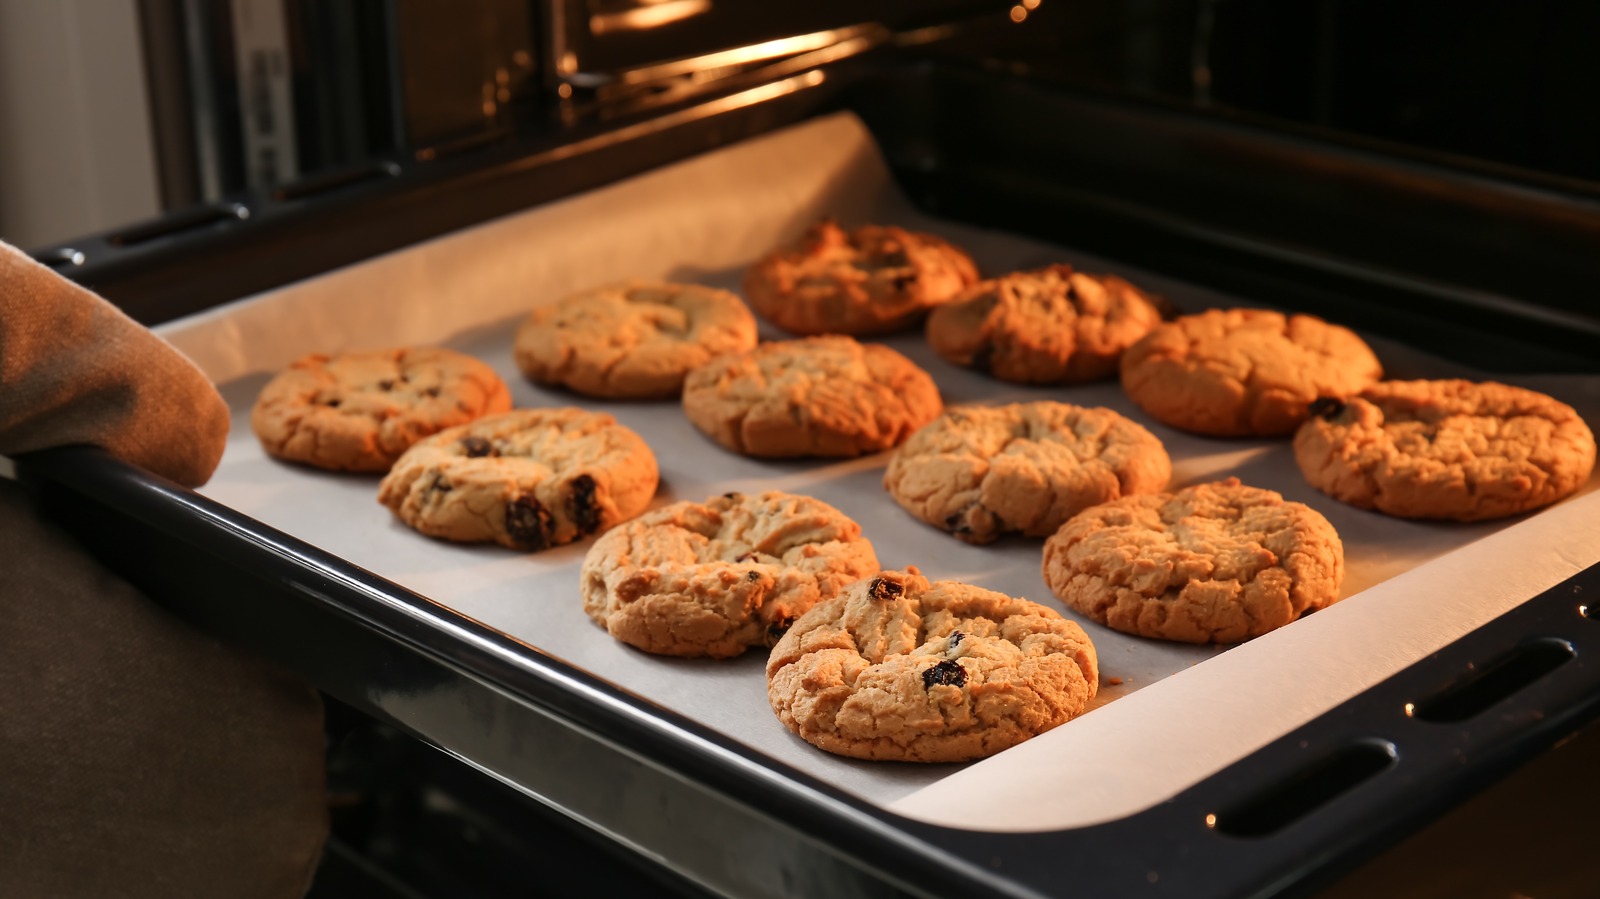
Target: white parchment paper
[[1411, 588]]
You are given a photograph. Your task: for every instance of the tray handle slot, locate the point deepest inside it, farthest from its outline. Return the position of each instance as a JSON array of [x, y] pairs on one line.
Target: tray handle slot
[[1483, 686], [1302, 792]]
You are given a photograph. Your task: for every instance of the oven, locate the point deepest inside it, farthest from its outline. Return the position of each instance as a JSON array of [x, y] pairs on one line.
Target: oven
[[1224, 152]]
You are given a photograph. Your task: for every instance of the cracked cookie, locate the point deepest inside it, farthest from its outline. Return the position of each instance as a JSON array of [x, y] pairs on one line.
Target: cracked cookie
[[360, 411], [635, 340], [872, 280], [983, 471], [821, 396], [901, 669], [1214, 563], [715, 578], [1244, 372], [529, 479], [1047, 326], [1445, 449]]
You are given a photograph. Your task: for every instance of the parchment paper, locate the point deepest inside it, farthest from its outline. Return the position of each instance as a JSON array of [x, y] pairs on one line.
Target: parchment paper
[[707, 219]]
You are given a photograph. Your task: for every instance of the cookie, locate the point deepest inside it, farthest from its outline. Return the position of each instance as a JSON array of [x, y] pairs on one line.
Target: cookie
[[902, 669], [360, 411], [1047, 326], [873, 280], [1244, 372], [634, 340], [1445, 449], [715, 578], [529, 479], [983, 471], [821, 396], [1214, 563]]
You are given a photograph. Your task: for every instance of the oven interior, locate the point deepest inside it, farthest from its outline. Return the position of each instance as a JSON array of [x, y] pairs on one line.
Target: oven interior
[[1327, 170]]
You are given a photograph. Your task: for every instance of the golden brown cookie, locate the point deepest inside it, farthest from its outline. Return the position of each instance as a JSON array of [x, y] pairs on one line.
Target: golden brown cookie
[[902, 669], [715, 578], [529, 479], [1047, 326], [360, 411], [1445, 449], [872, 280], [983, 471], [634, 340], [821, 396], [1244, 372], [1214, 563]]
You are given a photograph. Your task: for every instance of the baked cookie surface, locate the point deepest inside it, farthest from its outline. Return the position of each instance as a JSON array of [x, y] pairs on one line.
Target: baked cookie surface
[[1213, 563], [529, 479], [360, 411], [715, 578], [902, 669], [872, 280], [983, 471], [1447, 449], [820, 396], [1047, 326], [635, 340], [1244, 372]]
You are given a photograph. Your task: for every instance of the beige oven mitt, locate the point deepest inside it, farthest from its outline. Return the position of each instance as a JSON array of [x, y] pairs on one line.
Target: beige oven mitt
[[138, 757]]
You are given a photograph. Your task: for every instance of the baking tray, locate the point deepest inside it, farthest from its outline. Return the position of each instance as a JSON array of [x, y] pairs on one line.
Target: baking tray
[[708, 794]]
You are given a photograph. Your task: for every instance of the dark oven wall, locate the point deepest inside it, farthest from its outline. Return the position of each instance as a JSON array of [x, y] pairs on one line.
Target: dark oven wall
[[1379, 165]]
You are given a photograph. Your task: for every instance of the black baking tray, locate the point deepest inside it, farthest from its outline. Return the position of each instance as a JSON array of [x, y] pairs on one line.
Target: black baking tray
[[1270, 216]]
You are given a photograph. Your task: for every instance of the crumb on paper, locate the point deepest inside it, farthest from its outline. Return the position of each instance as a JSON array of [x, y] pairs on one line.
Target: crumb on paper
[[1114, 681]]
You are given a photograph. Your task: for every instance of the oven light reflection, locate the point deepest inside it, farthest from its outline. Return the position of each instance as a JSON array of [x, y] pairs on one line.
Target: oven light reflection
[[1411, 710], [647, 16], [853, 39], [1211, 821]]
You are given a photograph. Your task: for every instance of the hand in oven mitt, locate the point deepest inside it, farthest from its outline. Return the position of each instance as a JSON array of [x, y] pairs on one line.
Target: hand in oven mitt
[[138, 757]]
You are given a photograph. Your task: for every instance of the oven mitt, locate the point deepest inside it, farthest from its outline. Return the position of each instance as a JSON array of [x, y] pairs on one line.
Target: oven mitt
[[138, 757]]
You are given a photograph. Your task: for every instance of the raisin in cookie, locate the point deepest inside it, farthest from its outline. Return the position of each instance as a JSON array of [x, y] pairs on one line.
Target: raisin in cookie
[[872, 280], [821, 396], [360, 411], [1244, 372], [1214, 563], [635, 340], [715, 578], [902, 669], [979, 472], [1445, 449], [1048, 326], [529, 479]]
